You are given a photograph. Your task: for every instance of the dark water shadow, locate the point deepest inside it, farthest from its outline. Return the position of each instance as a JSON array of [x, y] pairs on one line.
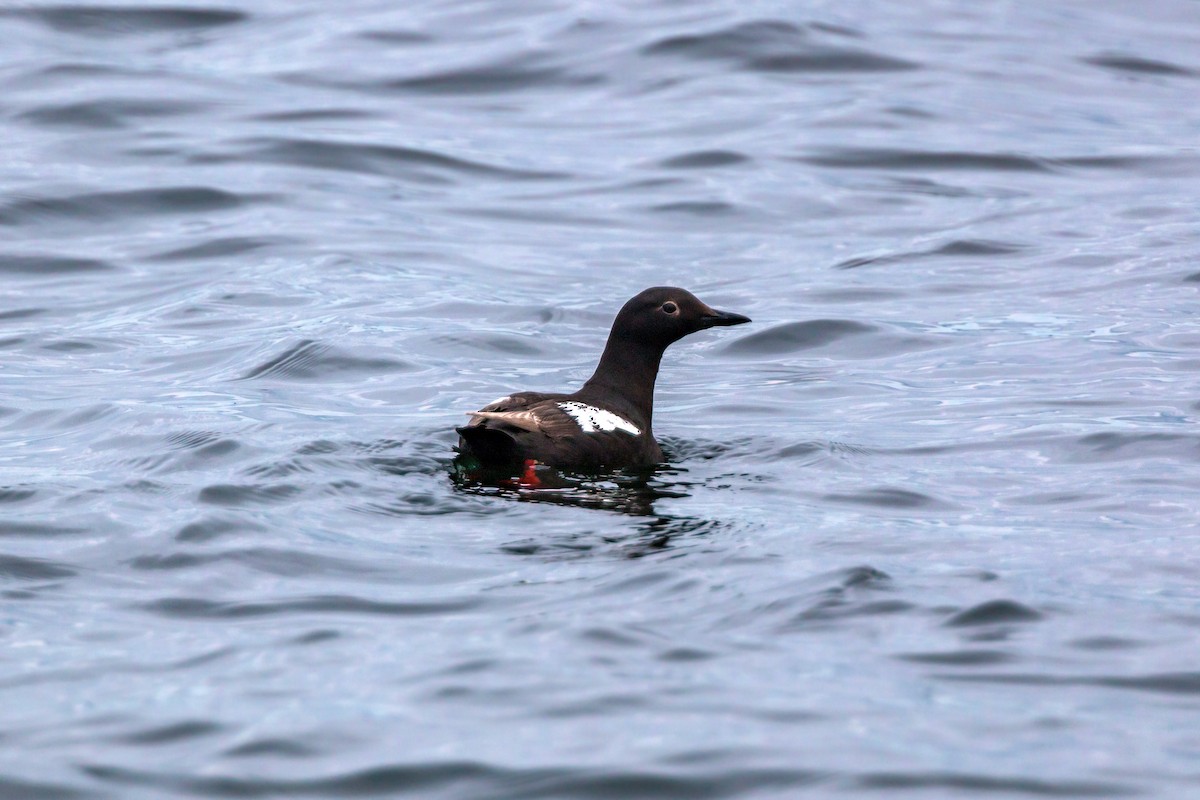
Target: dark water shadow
[[1170, 683], [778, 46], [632, 493], [463, 778], [126, 21], [1137, 66]]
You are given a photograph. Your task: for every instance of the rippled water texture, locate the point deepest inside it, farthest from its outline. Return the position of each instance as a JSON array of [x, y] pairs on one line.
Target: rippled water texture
[[930, 524]]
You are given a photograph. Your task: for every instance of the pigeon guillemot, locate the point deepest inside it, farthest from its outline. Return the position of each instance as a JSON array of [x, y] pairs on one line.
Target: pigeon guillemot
[[607, 422]]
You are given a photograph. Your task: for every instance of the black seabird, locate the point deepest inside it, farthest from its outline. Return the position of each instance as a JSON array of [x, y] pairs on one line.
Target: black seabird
[[607, 422]]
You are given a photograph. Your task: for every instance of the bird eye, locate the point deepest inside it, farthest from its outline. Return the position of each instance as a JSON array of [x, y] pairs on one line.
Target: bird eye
[[670, 307]]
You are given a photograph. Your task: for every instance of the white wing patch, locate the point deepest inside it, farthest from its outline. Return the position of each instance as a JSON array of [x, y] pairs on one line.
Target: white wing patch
[[591, 419]]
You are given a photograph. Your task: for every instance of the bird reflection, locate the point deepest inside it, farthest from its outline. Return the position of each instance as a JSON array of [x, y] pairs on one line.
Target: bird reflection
[[630, 492]]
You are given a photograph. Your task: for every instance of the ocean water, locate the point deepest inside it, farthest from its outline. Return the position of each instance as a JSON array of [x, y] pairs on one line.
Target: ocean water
[[930, 526]]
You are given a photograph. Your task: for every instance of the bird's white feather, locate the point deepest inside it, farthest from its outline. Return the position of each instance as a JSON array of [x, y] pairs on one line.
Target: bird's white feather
[[591, 419]]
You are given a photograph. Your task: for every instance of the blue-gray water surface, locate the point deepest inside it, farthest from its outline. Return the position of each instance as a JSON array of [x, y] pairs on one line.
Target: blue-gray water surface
[[930, 524]]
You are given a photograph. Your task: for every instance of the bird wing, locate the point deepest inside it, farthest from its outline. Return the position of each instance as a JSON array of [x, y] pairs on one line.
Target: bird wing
[[558, 430], [527, 411]]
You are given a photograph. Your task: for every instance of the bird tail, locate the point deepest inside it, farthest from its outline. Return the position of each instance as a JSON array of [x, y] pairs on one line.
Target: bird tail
[[489, 445]]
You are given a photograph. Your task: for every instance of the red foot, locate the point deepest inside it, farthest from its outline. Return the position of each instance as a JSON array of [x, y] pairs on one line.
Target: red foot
[[529, 478]]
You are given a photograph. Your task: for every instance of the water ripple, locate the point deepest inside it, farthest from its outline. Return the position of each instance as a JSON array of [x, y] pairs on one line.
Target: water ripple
[[107, 113], [843, 337], [1138, 65], [15, 264], [515, 75], [308, 360], [1171, 683], [104, 206], [32, 569], [426, 166], [474, 777], [39, 790], [964, 782], [704, 159], [198, 608], [221, 247], [776, 46], [104, 21], [993, 612]]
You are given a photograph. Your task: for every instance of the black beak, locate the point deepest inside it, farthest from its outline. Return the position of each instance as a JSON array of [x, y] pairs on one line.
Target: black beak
[[722, 318]]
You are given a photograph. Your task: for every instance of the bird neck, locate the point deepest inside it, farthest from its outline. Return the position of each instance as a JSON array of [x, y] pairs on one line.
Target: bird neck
[[625, 374]]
